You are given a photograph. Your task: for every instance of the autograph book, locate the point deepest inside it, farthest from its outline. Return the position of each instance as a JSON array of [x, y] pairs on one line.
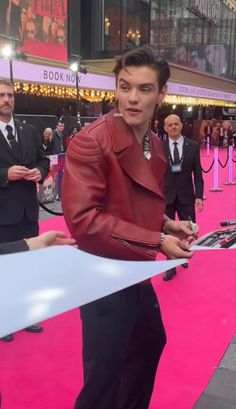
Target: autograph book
[[217, 240]]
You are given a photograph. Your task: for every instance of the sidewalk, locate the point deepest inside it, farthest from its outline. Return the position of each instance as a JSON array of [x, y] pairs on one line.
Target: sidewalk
[[221, 390]]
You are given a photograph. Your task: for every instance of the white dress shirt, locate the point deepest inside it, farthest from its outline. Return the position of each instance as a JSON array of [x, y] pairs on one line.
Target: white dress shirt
[[4, 131], [180, 143]]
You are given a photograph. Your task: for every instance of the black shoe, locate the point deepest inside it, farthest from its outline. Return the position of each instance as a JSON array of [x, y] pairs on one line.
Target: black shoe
[[35, 329], [7, 338], [185, 265], [169, 274]]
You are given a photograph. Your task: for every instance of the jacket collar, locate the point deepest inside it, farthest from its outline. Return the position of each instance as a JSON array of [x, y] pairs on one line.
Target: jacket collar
[[130, 155]]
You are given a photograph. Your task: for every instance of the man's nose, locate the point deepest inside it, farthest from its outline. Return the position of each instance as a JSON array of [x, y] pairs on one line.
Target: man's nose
[[6, 98], [133, 96]]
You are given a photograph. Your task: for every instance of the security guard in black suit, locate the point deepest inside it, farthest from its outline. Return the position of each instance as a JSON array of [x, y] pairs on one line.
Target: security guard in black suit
[[183, 185]]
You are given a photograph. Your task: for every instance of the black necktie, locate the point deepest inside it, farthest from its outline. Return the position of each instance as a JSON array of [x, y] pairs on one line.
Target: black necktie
[[176, 153], [12, 139]]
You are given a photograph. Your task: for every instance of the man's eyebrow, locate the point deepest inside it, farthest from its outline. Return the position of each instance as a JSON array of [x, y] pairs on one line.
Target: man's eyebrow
[[148, 84]]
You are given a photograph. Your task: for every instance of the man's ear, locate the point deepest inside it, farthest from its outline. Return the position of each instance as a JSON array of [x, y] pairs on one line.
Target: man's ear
[[162, 95]]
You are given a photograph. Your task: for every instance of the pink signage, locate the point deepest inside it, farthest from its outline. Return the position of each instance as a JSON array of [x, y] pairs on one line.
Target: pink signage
[[192, 91], [41, 74]]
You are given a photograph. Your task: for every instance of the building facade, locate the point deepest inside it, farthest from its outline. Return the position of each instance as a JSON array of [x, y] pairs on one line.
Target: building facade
[[196, 36]]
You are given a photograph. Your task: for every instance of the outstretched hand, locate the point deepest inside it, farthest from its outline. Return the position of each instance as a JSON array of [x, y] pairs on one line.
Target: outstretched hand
[[50, 238]]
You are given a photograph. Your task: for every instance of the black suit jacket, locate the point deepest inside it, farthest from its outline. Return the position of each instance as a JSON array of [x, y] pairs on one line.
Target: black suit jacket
[[57, 143], [188, 185], [13, 247], [17, 197]]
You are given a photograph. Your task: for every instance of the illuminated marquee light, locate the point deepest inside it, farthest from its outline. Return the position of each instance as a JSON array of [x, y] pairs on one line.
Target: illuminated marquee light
[[50, 91], [93, 95], [193, 101]]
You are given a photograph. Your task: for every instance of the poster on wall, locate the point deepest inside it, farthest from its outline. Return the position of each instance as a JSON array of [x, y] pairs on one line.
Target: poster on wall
[[212, 58], [40, 26]]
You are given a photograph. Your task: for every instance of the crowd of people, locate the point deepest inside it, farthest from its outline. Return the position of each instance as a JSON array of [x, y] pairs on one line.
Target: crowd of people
[[218, 133]]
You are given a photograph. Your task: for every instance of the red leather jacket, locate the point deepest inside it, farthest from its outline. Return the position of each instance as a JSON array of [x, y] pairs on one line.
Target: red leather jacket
[[112, 196]]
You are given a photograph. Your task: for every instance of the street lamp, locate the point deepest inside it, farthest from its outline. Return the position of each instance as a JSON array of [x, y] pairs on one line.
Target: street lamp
[[77, 68], [10, 52]]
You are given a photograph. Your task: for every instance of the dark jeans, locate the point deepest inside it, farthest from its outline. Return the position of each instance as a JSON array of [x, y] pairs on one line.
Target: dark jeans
[[183, 210], [123, 338]]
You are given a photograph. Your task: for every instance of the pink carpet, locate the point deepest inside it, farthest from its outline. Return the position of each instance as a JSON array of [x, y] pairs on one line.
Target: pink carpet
[[44, 371]]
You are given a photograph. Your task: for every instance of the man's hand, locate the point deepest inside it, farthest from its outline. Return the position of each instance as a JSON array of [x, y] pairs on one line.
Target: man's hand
[[34, 175], [173, 248], [199, 205], [17, 172], [181, 229], [50, 238]]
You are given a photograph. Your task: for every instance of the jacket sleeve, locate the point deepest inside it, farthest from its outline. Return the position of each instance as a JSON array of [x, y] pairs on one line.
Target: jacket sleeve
[[197, 174], [3, 177], [13, 247], [43, 163], [83, 197]]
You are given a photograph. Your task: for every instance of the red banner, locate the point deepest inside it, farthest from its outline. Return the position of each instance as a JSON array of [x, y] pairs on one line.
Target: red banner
[[53, 8]]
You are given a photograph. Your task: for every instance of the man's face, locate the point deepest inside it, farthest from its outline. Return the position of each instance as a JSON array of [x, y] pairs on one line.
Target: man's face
[[30, 31], [60, 37], [60, 127], [137, 94], [173, 126], [6, 102]]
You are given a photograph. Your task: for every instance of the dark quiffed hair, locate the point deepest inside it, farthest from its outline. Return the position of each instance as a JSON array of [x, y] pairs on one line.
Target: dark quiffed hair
[[144, 55], [7, 82]]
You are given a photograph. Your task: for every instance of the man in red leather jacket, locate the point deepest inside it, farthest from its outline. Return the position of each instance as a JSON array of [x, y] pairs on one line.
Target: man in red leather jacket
[[114, 207]]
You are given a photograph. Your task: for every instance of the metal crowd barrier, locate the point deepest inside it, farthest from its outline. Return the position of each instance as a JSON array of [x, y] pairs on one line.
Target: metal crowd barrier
[[49, 193]]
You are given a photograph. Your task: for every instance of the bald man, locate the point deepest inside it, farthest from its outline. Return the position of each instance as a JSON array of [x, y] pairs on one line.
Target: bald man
[[183, 186]]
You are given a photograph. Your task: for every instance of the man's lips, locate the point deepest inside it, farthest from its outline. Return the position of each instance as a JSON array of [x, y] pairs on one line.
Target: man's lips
[[133, 111]]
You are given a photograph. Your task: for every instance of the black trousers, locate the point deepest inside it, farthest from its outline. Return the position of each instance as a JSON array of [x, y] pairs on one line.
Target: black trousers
[[23, 230], [123, 338], [183, 210]]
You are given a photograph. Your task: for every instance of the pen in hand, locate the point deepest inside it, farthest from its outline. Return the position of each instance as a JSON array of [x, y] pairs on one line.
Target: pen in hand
[[192, 226]]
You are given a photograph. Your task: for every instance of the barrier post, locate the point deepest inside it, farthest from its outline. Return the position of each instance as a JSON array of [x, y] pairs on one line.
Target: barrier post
[[208, 146], [230, 167], [216, 172]]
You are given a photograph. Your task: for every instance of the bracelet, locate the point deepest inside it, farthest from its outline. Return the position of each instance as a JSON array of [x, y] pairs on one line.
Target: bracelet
[[162, 238], [164, 229]]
